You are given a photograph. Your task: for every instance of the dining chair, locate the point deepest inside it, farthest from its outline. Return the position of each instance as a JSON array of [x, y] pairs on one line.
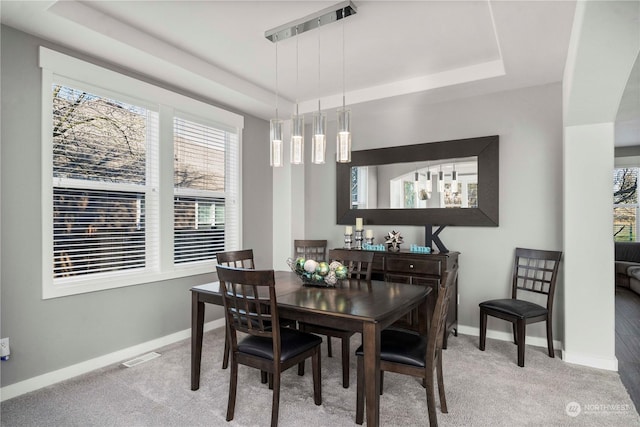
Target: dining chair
[[310, 249], [414, 353], [250, 305], [534, 271], [242, 258], [360, 264]]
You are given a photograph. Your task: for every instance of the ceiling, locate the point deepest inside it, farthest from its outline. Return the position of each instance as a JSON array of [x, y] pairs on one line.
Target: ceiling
[[218, 49]]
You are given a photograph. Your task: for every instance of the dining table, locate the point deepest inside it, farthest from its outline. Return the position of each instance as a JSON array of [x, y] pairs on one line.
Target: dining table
[[365, 306]]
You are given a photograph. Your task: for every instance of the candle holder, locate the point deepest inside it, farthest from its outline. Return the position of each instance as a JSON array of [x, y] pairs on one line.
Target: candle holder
[[347, 241], [359, 239], [368, 240]]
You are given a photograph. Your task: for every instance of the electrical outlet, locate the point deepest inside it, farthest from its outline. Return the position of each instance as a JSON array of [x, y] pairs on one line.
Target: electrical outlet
[[4, 349]]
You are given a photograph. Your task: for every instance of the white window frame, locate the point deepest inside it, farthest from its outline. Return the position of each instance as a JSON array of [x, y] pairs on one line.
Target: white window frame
[[64, 69]]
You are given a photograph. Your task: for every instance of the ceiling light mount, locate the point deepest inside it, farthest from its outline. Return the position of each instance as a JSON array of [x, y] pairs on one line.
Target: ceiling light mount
[[310, 22]]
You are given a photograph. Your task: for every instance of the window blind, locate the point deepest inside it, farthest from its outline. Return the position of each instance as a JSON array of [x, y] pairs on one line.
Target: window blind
[[205, 190], [100, 152]]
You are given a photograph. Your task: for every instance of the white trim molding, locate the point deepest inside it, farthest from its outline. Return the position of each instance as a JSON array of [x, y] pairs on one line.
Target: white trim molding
[[508, 336], [44, 380], [610, 364], [576, 359]]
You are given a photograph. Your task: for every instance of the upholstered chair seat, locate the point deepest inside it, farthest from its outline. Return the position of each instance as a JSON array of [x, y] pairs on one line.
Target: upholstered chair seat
[[515, 307], [401, 346], [292, 342]]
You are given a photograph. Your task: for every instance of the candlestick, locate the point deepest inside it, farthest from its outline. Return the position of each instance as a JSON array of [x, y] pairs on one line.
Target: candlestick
[[347, 240], [358, 239]]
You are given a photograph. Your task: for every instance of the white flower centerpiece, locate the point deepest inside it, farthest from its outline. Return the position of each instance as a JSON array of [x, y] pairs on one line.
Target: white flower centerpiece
[[318, 273]]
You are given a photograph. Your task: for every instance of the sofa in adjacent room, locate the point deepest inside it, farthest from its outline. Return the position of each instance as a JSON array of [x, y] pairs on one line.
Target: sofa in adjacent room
[[627, 265]]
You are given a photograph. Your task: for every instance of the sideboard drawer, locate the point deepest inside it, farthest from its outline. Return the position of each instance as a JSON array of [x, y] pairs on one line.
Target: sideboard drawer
[[414, 265]]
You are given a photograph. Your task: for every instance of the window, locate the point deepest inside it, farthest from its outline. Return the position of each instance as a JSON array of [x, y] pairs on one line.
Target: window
[[140, 184], [359, 185], [199, 184], [625, 204], [99, 182]]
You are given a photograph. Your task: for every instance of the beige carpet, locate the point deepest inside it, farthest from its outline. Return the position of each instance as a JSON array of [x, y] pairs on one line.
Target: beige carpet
[[483, 389]]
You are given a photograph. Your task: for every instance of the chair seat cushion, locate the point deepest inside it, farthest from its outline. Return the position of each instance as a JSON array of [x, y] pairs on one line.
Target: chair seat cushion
[[514, 307], [292, 343], [401, 346]]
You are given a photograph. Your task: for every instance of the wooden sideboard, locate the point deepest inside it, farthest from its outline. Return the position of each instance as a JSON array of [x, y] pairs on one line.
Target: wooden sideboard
[[420, 269]]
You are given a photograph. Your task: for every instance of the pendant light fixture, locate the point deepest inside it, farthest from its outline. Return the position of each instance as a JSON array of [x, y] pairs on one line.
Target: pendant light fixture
[[440, 180], [297, 123], [429, 183], [343, 137], [276, 148], [326, 16], [319, 141], [454, 180]]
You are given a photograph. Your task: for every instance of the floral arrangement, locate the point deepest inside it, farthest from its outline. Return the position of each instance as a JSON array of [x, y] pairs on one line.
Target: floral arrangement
[[318, 273]]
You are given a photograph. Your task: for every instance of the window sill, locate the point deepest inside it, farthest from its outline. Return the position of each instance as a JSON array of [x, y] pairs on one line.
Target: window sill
[[75, 286]]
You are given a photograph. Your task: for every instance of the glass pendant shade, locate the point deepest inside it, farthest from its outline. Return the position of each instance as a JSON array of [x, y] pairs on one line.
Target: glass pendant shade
[[429, 183], [343, 138], [297, 139], [319, 141], [416, 183], [276, 149], [454, 182], [440, 181]]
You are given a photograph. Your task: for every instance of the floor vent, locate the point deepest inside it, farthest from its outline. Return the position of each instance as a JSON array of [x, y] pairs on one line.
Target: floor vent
[[141, 359]]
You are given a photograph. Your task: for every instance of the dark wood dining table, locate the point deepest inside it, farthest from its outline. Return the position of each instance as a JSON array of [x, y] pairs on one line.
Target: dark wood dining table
[[361, 306]]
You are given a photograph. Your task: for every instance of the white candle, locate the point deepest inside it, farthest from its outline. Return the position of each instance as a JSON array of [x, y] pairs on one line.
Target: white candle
[[358, 223], [368, 234], [348, 230]]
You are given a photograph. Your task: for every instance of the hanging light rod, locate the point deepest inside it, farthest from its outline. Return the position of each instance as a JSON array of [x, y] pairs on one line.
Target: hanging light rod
[[309, 22]]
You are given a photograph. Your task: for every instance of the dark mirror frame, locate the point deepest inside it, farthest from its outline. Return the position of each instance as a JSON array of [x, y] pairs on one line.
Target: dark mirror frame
[[486, 214]]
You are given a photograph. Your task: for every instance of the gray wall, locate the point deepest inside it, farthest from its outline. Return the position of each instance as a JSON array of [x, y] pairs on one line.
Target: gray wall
[[529, 122], [56, 333]]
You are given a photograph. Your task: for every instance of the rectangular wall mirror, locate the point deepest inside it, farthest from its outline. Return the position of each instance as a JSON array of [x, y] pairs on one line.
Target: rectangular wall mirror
[[438, 183]]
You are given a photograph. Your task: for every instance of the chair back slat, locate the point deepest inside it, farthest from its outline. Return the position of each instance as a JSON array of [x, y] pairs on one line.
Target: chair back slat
[[310, 249], [250, 314], [439, 317], [250, 302], [241, 259], [535, 271], [359, 263]]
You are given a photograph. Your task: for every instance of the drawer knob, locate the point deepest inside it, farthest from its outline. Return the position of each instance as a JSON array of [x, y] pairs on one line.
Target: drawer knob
[[410, 265]]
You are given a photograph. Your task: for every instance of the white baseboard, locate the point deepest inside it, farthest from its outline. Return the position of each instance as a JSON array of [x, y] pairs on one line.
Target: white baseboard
[[576, 359], [508, 336], [610, 364], [50, 378]]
